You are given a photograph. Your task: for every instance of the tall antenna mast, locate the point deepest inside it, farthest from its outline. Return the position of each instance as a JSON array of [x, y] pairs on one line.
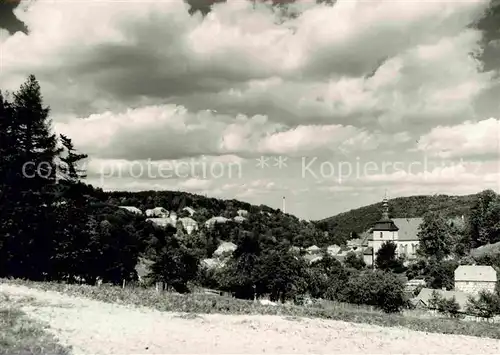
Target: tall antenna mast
[[284, 205]]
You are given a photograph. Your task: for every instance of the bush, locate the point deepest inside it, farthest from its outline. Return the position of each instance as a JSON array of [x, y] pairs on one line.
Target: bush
[[449, 307], [486, 305], [376, 288]]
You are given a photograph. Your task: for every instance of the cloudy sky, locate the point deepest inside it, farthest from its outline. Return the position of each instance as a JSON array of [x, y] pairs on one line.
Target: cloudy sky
[[328, 105]]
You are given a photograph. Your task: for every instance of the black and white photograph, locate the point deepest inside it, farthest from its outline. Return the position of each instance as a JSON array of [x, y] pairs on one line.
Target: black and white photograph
[[249, 177]]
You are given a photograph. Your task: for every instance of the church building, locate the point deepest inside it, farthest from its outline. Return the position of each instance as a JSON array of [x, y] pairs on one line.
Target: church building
[[400, 231]]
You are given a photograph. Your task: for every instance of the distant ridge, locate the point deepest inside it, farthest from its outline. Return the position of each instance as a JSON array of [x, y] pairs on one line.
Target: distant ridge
[[358, 220]]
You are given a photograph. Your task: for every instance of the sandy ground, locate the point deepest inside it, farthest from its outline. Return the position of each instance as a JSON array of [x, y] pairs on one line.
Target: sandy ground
[[92, 327]]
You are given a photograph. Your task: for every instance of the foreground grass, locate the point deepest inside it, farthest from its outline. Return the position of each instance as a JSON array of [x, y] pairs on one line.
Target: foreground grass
[[202, 303], [21, 335]]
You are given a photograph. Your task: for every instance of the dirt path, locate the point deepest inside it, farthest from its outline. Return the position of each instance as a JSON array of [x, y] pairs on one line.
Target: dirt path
[[92, 327]]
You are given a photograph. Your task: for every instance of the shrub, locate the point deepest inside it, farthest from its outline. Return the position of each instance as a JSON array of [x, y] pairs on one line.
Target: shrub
[[486, 305], [383, 290], [449, 307]]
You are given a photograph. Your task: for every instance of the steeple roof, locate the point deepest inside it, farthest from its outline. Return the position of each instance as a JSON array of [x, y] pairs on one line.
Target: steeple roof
[[385, 223]]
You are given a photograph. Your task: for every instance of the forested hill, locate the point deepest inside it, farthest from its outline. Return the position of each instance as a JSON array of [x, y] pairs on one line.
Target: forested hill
[[361, 219], [263, 219], [176, 200]]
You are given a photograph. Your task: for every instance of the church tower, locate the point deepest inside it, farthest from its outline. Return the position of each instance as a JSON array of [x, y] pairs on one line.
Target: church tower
[[384, 230]]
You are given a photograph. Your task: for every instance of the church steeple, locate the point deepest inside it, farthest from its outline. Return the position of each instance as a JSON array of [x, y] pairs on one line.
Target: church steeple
[[385, 208]]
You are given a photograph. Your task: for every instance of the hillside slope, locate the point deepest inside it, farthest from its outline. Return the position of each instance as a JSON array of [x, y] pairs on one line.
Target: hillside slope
[[361, 219], [262, 219]]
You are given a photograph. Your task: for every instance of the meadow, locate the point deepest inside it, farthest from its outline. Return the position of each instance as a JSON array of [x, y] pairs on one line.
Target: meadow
[[22, 335], [200, 303]]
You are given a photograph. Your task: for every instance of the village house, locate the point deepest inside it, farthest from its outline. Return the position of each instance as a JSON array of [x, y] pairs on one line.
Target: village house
[[220, 256], [189, 224], [422, 301], [189, 210], [475, 278], [162, 221], [157, 212], [214, 220], [131, 209], [242, 213], [469, 281], [239, 219]]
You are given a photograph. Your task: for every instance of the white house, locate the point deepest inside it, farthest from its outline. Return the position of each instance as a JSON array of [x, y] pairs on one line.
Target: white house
[[158, 212], [212, 221], [474, 278], [313, 249], [131, 209], [333, 249], [162, 222], [189, 224], [225, 249], [242, 213], [190, 210], [239, 219]]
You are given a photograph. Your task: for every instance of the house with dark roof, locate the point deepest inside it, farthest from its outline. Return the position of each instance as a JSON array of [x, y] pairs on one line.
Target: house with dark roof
[[425, 295], [401, 231]]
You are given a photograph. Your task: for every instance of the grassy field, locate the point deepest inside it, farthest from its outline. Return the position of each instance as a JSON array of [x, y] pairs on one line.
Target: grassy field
[[21, 335], [203, 303]]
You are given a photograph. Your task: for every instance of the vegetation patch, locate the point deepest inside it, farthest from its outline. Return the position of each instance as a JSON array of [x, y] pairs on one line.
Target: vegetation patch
[[22, 335], [206, 304]]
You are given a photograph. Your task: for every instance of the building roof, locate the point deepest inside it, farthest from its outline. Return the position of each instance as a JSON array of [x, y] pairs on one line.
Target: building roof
[[355, 242], [310, 258], [214, 220], [225, 247], [368, 251], [313, 249], [157, 212], [475, 273], [188, 221], [242, 213], [210, 263], [425, 295], [128, 208], [385, 226], [190, 210], [408, 228], [333, 249], [340, 257], [162, 222]]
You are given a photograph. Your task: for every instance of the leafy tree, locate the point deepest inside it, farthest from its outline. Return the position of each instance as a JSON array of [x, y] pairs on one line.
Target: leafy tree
[[354, 261], [441, 274], [486, 305], [175, 265], [484, 222], [327, 278], [434, 236], [434, 300], [450, 306], [386, 258], [242, 272], [283, 275], [416, 268], [381, 289]]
